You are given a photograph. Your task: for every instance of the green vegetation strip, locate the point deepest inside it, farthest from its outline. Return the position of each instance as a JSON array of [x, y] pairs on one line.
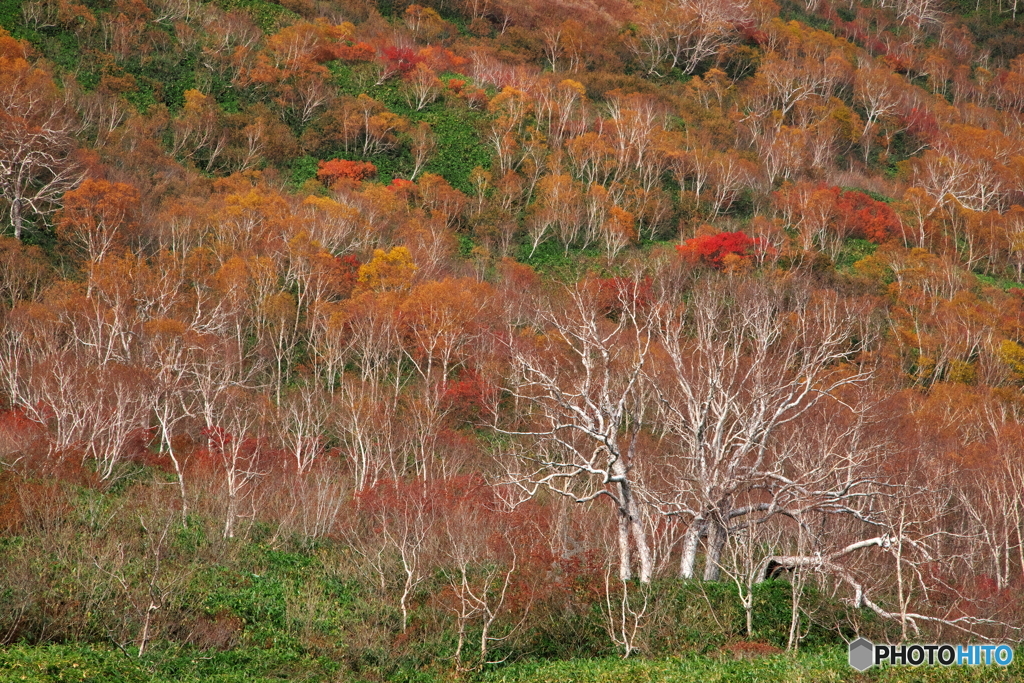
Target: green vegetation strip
[[100, 665]]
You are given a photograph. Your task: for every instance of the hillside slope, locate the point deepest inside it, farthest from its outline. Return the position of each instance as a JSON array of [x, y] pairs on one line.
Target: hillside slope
[[388, 340]]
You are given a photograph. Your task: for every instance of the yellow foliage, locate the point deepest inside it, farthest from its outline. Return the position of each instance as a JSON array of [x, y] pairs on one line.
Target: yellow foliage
[[1012, 353], [196, 102], [510, 102], [279, 310], [849, 124], [165, 328], [388, 271], [574, 85], [962, 372], [734, 263], [871, 267]]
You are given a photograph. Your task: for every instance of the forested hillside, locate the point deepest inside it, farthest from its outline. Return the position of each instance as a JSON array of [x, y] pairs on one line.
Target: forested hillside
[[353, 340]]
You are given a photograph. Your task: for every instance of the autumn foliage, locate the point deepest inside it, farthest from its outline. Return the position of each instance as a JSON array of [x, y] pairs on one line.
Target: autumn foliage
[[401, 59], [719, 250], [330, 172], [866, 218], [533, 329]]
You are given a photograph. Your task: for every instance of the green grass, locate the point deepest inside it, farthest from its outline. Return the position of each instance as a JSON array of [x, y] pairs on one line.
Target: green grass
[[97, 664], [1000, 282], [553, 260], [456, 127], [459, 147], [824, 667], [269, 16], [10, 16], [795, 11], [854, 250]]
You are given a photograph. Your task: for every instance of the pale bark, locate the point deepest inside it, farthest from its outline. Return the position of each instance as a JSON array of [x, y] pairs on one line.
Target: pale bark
[[743, 368], [582, 379]]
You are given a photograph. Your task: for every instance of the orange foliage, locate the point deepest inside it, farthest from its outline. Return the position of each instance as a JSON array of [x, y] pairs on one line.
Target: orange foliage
[[99, 216], [330, 172]]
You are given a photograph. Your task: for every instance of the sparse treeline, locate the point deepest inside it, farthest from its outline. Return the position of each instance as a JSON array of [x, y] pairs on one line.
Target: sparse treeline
[[516, 316]]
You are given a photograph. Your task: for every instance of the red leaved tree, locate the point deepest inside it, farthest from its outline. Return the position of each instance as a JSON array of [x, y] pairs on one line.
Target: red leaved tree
[[868, 218], [715, 250], [397, 60]]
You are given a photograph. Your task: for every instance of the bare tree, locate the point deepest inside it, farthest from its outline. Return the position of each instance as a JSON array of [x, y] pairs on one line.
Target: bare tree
[[683, 33], [745, 361], [302, 426], [881, 92], [580, 372], [625, 620], [480, 584], [232, 414], [37, 162], [423, 143]]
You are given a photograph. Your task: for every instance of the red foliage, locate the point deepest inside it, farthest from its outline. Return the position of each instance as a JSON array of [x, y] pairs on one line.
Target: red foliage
[[406, 189], [615, 294], [20, 434], [518, 276], [330, 172], [712, 250], [16, 422], [751, 33], [137, 448], [985, 586], [468, 506], [922, 124], [466, 397], [897, 63], [868, 218], [397, 497], [219, 437], [401, 59], [875, 45], [851, 213], [212, 458], [348, 273], [21, 498]]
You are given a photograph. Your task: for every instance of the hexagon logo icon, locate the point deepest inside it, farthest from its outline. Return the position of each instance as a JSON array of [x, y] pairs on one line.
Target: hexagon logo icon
[[862, 654]]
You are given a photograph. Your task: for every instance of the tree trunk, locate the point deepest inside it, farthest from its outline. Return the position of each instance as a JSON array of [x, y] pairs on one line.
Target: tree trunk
[[688, 560], [716, 541], [631, 527], [643, 551], [232, 512], [16, 217], [625, 562], [178, 470]]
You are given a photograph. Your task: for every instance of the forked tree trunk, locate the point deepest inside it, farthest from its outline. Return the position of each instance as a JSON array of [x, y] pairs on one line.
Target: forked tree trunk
[[632, 535]]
